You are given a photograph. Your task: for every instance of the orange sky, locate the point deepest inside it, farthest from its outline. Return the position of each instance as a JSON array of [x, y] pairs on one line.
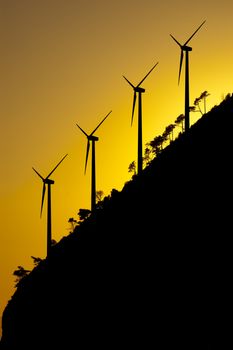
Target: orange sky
[[62, 63]]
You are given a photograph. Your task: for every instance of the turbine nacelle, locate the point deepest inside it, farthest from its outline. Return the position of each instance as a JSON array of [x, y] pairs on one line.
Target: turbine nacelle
[[48, 181], [93, 138], [139, 89], [186, 48]]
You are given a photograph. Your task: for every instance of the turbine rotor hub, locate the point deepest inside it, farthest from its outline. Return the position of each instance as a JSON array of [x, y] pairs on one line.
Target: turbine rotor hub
[[139, 89], [49, 182], [93, 138], [186, 48]]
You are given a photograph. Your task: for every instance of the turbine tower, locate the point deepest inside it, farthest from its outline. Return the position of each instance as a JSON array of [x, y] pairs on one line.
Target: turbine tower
[[92, 139], [47, 181], [186, 49], [139, 90]]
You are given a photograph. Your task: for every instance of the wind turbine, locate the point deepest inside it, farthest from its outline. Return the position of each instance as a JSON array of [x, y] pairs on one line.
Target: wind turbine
[[92, 139], [186, 49], [139, 90], [48, 182]]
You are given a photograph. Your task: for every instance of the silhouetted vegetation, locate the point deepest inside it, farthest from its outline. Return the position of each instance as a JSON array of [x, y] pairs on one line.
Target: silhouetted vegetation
[[20, 273], [132, 168], [36, 260], [152, 267], [180, 121], [198, 100], [83, 214], [91, 139], [73, 223], [155, 146]]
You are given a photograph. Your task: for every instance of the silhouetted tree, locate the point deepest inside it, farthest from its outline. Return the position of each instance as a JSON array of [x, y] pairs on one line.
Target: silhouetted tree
[[20, 273], [157, 144], [165, 135], [193, 109], [83, 214], [198, 100], [197, 107], [114, 193], [99, 199], [36, 261], [147, 156], [99, 195], [203, 96], [132, 168], [168, 132], [73, 223], [180, 121]]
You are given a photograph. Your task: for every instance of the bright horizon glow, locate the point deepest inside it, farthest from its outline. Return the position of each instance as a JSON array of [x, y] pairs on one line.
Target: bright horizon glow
[[62, 63]]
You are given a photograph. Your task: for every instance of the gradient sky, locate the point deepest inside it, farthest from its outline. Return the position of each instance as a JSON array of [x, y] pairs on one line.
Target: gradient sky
[[62, 63]]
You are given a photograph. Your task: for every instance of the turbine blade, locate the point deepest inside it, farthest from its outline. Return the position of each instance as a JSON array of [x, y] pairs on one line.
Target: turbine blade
[[88, 147], [82, 130], [134, 103], [56, 166], [176, 41], [100, 124], [38, 173], [181, 61], [194, 33], [129, 82], [147, 74], [42, 201]]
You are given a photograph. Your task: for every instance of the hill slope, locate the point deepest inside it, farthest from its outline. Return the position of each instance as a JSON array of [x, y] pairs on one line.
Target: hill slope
[[150, 269]]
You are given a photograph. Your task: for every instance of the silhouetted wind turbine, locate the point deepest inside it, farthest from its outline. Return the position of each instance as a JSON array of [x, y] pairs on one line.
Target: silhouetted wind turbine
[[186, 49], [48, 182], [91, 138], [139, 90]]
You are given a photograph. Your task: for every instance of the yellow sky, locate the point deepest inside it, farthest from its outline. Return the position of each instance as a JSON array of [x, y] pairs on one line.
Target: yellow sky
[[62, 63]]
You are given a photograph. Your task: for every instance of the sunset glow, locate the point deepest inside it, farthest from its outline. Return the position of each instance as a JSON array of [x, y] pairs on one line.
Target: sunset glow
[[62, 63]]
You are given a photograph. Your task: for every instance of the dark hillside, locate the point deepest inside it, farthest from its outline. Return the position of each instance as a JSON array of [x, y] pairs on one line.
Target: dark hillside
[[152, 268]]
